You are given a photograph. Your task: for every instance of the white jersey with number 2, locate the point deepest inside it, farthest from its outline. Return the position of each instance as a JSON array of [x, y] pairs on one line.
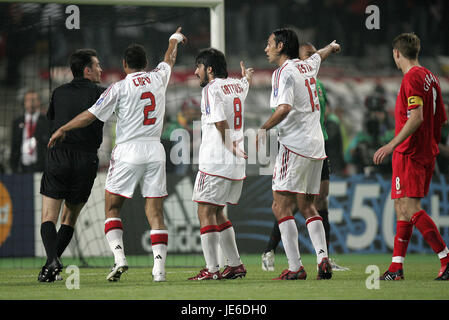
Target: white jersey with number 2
[[294, 84], [138, 102], [222, 99]]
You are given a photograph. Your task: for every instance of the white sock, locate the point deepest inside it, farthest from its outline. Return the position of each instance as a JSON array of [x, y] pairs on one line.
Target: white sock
[[228, 244], [317, 236], [159, 240], [210, 239], [444, 253], [114, 235], [289, 236]]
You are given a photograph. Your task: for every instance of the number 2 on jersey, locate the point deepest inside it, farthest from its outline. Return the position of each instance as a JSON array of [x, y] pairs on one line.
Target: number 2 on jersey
[[147, 121], [237, 114], [308, 85]]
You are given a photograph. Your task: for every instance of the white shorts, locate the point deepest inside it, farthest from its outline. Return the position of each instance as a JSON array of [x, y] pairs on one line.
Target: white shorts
[[296, 174], [123, 177], [216, 190]]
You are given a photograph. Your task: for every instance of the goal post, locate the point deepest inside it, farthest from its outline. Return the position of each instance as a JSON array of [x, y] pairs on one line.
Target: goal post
[[217, 12]]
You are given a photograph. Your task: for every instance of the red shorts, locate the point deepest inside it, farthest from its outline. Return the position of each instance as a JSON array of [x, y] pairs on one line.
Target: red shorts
[[410, 178]]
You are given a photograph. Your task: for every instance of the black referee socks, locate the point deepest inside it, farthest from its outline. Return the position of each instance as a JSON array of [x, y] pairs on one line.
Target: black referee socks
[[49, 238], [65, 234]]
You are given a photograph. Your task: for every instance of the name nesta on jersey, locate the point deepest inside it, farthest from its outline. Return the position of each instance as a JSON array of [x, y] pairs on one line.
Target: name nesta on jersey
[[304, 68]]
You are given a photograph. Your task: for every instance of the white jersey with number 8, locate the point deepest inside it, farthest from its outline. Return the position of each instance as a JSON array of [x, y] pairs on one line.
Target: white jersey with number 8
[[294, 84], [222, 99]]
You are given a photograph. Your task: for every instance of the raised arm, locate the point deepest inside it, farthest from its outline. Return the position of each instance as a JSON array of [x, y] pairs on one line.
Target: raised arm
[[172, 50], [325, 52], [247, 73]]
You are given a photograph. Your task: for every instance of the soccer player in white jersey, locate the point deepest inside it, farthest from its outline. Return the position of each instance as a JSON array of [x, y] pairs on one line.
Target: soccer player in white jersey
[[297, 172], [221, 161], [138, 102]]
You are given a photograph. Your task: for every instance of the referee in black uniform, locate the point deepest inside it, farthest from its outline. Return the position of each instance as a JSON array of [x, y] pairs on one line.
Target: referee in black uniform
[[71, 166]]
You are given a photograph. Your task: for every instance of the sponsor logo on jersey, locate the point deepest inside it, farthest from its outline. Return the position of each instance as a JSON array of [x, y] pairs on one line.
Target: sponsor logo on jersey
[[99, 101]]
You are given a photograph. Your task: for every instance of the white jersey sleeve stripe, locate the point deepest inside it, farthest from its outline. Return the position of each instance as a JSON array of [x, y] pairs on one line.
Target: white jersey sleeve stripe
[[277, 79]]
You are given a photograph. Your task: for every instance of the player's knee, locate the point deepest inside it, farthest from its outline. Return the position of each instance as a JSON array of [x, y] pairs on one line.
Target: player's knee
[[276, 208], [307, 209], [320, 203], [69, 219], [406, 209]]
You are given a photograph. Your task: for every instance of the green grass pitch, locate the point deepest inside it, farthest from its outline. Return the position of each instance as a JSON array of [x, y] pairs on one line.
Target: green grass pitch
[[136, 284]]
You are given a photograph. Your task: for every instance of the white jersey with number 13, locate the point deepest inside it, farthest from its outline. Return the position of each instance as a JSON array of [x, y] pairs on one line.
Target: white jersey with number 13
[[294, 84]]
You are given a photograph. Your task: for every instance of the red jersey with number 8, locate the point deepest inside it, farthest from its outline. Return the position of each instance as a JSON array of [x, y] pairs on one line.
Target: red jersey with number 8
[[420, 87]]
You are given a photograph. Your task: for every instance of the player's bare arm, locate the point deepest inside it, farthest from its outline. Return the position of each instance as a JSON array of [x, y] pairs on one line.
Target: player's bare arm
[[172, 50], [325, 52], [223, 128], [412, 124], [247, 73], [80, 121], [280, 114]]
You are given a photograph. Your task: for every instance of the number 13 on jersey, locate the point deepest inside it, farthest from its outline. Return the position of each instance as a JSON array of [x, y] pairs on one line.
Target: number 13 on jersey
[[313, 94]]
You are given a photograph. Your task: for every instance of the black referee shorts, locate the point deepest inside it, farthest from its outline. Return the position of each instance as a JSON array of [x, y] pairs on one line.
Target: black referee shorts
[[69, 174], [325, 171]]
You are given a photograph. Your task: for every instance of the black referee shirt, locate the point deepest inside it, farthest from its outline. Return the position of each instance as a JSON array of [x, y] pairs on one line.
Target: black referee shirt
[[69, 100]]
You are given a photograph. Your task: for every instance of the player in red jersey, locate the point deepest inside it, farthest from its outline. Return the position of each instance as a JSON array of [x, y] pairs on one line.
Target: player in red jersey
[[419, 115]]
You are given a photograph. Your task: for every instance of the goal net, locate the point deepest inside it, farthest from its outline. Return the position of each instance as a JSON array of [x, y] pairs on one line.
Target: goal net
[[34, 52]]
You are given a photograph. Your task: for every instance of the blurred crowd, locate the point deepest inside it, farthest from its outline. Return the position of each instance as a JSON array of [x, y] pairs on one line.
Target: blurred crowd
[[248, 23]]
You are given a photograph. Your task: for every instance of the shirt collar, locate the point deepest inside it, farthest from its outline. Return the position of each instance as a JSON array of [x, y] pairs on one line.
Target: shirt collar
[[32, 116], [81, 79]]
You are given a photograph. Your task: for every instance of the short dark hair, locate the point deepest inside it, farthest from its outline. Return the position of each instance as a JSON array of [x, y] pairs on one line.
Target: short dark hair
[[80, 59], [408, 44], [135, 56], [213, 58], [309, 48], [290, 40]]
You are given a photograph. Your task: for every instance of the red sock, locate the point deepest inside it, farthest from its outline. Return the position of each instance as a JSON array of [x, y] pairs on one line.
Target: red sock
[[404, 231], [430, 232]]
